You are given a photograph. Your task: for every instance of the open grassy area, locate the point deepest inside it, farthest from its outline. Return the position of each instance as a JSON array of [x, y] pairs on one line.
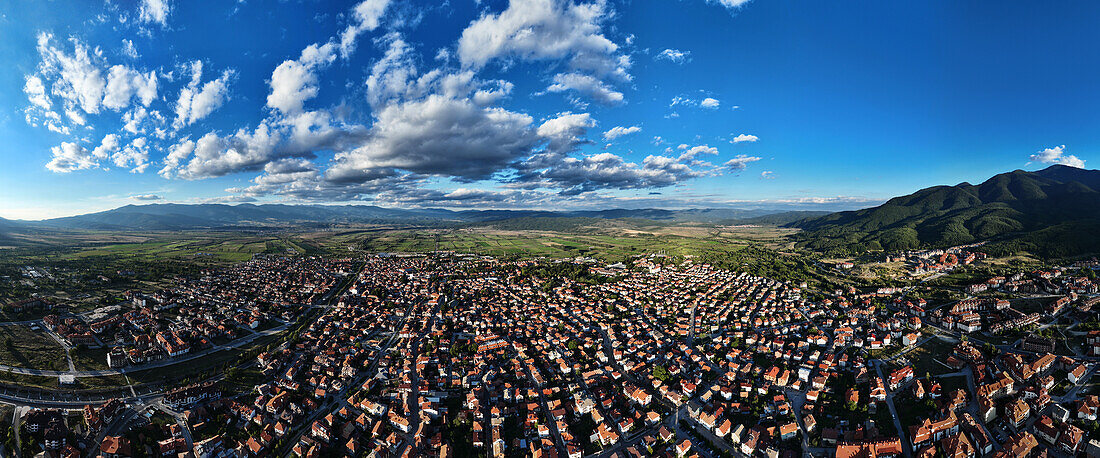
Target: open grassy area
[[542, 243], [930, 358], [207, 366], [87, 359], [22, 347]]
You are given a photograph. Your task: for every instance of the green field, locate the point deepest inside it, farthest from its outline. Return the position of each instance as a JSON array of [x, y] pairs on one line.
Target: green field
[[89, 359], [22, 347], [548, 244], [930, 358]]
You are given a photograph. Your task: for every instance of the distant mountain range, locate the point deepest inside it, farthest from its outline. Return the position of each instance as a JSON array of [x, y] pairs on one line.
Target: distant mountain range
[[221, 216], [1052, 212]]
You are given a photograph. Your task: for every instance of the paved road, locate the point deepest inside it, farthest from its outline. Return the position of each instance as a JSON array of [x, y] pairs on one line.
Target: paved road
[[340, 398], [181, 420], [906, 448], [111, 430], [162, 363]]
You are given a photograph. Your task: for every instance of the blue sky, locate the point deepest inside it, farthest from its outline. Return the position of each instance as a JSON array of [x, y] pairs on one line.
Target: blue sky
[[534, 103]]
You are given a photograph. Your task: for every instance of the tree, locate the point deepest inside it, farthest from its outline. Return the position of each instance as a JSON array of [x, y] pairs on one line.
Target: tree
[[660, 373]]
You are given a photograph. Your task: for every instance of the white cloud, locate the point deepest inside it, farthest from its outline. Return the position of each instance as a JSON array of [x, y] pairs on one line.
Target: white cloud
[[135, 155], [146, 197], [745, 138], [214, 155], [176, 155], [550, 30], [154, 11], [537, 29], [566, 131], [741, 162], [619, 131], [587, 85], [80, 81], [70, 157], [1056, 155], [730, 4], [194, 103], [129, 50], [36, 92], [366, 17], [674, 55], [75, 116], [132, 120], [124, 83], [690, 155], [708, 102], [602, 171], [391, 75], [441, 136], [491, 96], [767, 175], [295, 81], [109, 145]]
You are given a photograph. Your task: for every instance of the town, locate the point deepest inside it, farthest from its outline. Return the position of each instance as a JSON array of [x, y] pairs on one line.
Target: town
[[447, 354]]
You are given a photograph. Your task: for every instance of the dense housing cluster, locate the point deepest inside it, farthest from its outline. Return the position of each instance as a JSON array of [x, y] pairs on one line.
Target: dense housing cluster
[[444, 354]]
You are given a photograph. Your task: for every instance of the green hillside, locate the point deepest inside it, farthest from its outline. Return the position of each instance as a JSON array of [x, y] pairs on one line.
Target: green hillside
[[1053, 212]]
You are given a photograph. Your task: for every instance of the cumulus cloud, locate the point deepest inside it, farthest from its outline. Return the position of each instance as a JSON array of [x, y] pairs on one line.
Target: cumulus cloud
[[129, 50], [295, 81], [36, 92], [690, 154], [741, 162], [537, 29], [619, 131], [366, 16], [79, 81], [438, 135], [492, 95], [69, 157], [154, 11], [135, 156], [586, 85], [1056, 155], [146, 197], [176, 155], [195, 102], [566, 131], [745, 138], [675, 56], [709, 103], [214, 155], [603, 171], [551, 30], [124, 84], [83, 84], [107, 147], [730, 4], [767, 175], [391, 76]]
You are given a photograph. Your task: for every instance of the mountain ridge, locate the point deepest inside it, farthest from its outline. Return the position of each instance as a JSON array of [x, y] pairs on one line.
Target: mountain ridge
[[169, 216], [1015, 211]]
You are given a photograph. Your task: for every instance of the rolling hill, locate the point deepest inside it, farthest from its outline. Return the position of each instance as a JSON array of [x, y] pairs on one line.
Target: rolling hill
[[1054, 212]]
